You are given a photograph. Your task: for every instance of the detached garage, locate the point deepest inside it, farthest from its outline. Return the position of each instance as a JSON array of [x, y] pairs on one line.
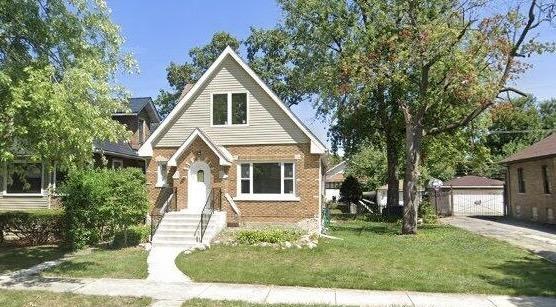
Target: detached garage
[[473, 195]]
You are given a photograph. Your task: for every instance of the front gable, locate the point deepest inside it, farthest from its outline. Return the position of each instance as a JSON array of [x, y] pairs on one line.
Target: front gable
[[268, 120]]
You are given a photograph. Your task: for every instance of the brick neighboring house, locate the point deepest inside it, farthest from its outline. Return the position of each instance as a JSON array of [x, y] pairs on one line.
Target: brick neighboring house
[[531, 181], [34, 191], [232, 141]]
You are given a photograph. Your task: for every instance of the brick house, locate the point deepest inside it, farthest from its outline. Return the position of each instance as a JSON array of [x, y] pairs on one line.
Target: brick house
[[531, 182], [33, 191], [232, 146]]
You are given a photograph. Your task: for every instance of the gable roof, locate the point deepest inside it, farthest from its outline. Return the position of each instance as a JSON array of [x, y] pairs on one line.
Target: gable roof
[[224, 155], [473, 181], [137, 104], [317, 147], [542, 148], [336, 168], [115, 148]]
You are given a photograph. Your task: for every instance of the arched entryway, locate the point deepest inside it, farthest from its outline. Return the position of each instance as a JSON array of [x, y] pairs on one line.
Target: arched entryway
[[199, 185]]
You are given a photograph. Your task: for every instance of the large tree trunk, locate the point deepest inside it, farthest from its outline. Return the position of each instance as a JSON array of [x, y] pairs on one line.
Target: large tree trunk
[[413, 138], [392, 154]]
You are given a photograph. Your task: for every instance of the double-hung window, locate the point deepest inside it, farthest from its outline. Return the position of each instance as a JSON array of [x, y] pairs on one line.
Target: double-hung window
[[545, 179], [266, 180], [229, 109], [520, 181]]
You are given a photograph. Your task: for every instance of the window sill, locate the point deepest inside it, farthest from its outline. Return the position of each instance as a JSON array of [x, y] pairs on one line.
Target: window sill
[[266, 198]]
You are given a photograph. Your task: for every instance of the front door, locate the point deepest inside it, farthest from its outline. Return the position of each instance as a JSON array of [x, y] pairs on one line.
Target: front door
[[199, 185]]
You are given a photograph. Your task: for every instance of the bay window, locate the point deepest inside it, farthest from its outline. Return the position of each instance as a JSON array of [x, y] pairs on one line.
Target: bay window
[[270, 179], [229, 109]]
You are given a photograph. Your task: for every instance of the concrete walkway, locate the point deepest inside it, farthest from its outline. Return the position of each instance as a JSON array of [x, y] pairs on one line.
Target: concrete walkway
[[173, 294], [162, 266], [536, 238]]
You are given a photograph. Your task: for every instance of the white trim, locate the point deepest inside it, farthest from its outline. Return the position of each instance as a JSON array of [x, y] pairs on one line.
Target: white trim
[[271, 197], [266, 197], [232, 203], [320, 195], [146, 150], [224, 156], [229, 110], [44, 192]]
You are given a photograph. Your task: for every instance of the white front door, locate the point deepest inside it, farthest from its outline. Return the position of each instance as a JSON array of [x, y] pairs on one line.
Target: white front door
[[199, 185]]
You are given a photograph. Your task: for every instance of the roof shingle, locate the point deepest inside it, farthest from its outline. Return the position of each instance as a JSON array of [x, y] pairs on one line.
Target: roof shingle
[[542, 148], [473, 181]]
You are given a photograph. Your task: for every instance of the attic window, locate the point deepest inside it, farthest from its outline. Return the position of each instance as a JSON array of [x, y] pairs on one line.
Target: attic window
[[229, 109]]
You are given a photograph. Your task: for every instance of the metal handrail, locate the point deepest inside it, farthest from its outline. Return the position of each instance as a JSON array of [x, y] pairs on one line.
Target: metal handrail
[[207, 212], [170, 204]]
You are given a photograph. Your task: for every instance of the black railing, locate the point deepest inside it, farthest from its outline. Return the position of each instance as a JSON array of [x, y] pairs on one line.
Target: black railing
[[169, 204], [214, 201]]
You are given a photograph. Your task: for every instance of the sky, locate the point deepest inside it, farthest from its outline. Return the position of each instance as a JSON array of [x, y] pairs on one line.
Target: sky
[[160, 32]]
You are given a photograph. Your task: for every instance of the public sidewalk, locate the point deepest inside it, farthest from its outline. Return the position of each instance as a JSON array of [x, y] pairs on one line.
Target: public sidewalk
[[173, 294]]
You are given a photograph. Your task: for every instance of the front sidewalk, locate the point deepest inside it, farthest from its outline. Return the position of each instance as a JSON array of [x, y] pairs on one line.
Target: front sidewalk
[[175, 293]]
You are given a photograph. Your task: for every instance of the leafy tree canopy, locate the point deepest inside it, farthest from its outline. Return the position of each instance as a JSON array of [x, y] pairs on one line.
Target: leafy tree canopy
[[57, 63]]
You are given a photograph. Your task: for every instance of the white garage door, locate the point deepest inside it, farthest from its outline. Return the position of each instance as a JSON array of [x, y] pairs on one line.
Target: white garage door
[[478, 201]]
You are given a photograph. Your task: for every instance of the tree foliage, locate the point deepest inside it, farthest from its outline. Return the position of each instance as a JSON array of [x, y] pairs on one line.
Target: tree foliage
[[57, 64]]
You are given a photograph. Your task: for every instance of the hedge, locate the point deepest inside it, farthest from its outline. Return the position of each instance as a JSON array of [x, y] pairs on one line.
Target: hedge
[[33, 227]]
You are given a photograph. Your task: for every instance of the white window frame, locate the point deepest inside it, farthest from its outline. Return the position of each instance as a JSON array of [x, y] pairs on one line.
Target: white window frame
[[117, 161], [229, 109], [266, 197], [5, 181], [161, 179]]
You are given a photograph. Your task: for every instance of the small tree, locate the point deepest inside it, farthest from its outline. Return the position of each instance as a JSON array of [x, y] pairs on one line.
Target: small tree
[[350, 191]]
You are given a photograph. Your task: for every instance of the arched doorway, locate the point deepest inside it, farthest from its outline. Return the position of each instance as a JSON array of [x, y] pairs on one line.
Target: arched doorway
[[199, 185]]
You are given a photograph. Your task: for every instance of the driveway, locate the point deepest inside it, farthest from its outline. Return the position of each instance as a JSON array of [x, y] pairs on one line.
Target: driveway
[[539, 239]]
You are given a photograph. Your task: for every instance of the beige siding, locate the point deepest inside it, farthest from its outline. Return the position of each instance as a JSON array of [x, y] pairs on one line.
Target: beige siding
[[23, 202], [268, 124]]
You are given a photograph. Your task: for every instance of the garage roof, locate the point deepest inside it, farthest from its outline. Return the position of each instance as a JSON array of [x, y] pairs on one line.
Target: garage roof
[[473, 181]]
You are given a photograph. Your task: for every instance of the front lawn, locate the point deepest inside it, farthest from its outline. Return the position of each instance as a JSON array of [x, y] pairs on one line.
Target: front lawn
[[104, 263], [16, 298], [17, 258], [374, 256]]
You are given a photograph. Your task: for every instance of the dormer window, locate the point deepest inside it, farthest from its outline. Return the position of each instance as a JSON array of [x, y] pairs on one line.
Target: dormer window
[[229, 109]]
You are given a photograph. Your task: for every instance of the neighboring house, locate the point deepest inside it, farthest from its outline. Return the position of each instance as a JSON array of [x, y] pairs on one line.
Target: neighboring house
[[141, 118], [28, 185], [231, 142], [382, 194], [531, 181], [470, 195], [334, 179]]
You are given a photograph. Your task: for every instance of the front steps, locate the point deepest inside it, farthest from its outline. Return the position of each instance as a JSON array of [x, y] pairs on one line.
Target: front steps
[[177, 229]]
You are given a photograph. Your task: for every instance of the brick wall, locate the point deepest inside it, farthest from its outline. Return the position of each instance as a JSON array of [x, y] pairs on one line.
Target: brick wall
[[306, 180], [523, 205]]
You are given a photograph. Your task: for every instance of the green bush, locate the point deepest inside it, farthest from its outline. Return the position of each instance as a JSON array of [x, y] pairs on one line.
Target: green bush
[[271, 235], [33, 227], [99, 202], [427, 212], [351, 190], [133, 236]]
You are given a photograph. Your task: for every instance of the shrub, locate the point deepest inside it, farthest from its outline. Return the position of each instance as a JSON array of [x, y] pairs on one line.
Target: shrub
[[33, 227], [99, 202], [350, 190], [427, 212], [271, 235], [133, 236]]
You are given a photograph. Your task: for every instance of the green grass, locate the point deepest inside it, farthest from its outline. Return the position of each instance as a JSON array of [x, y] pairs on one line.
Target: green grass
[[17, 258], [104, 263], [374, 256], [210, 303], [16, 298]]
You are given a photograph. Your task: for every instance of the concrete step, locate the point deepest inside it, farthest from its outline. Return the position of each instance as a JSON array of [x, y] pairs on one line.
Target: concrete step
[[181, 245], [182, 219], [176, 232]]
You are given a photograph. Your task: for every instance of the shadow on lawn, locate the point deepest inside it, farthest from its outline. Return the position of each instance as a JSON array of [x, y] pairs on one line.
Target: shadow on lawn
[[526, 276], [383, 229], [16, 258]]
